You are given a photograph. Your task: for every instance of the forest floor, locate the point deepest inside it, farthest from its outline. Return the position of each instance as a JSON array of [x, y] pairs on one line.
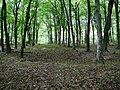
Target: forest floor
[[51, 67]]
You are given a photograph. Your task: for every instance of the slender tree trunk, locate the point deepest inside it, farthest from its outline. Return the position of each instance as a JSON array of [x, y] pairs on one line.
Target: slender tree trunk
[[59, 30], [99, 56], [37, 30], [88, 28], [55, 21], [66, 35], [76, 24], [51, 36], [33, 37], [105, 10], [2, 39], [71, 25], [25, 27], [93, 32], [107, 24], [55, 28], [68, 23], [29, 30], [35, 21], [117, 24], [79, 27], [11, 36], [15, 12], [62, 20], [8, 49], [15, 29]]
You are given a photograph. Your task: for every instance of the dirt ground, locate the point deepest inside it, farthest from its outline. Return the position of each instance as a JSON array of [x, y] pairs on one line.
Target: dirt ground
[[51, 67]]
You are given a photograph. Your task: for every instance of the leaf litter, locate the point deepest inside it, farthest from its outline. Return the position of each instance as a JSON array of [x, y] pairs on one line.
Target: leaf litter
[[58, 68]]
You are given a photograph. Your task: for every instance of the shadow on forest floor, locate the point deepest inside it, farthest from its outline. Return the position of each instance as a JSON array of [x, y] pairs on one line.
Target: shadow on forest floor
[[51, 67]]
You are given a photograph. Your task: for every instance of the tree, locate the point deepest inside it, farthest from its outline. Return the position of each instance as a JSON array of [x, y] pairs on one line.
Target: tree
[[76, 22], [2, 39], [15, 13], [35, 22], [79, 26], [71, 25], [88, 27], [68, 22], [8, 49], [107, 24], [99, 56], [25, 27], [117, 23]]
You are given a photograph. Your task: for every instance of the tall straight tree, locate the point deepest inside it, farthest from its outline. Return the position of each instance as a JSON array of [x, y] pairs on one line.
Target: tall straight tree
[[76, 22], [8, 49], [35, 22], [88, 27], [2, 39], [54, 11], [62, 20], [68, 23], [71, 25], [79, 26], [25, 27], [99, 56], [107, 25], [117, 23], [15, 12]]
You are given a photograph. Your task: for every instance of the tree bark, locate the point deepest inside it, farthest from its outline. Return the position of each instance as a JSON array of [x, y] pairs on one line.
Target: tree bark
[[8, 49], [68, 22], [37, 31], [79, 27], [99, 56], [93, 32], [88, 28], [71, 25], [117, 24], [15, 12], [76, 23], [105, 10], [25, 27], [107, 25], [35, 22], [2, 39]]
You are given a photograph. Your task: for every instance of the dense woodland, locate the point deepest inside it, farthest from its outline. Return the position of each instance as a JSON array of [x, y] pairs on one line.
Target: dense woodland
[[52, 31]]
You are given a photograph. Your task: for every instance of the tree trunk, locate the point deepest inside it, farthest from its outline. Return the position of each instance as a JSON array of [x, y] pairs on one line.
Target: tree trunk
[[15, 12], [107, 24], [2, 39], [79, 27], [35, 22], [71, 25], [62, 20], [105, 10], [88, 28], [8, 49], [55, 28], [15, 30], [11, 36], [117, 24], [37, 30], [59, 29], [25, 27], [76, 24], [99, 56], [93, 32], [68, 23]]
